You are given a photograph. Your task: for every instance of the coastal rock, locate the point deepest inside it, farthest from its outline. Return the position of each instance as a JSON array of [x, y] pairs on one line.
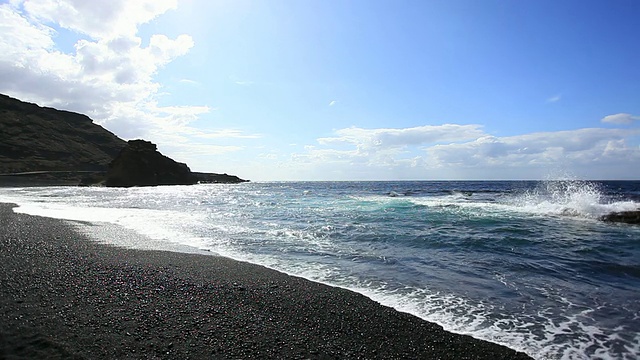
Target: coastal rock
[[213, 178], [141, 164], [48, 147], [628, 217], [46, 144]]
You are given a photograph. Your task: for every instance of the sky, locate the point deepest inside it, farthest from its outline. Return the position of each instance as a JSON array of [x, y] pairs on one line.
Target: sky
[[344, 89]]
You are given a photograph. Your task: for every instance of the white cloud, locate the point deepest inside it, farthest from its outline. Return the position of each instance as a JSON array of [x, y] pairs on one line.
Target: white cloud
[[19, 35], [109, 75], [464, 151], [581, 146], [193, 151], [224, 133], [555, 98], [189, 81], [387, 138], [332, 102], [268, 156], [240, 82], [621, 118], [98, 19]]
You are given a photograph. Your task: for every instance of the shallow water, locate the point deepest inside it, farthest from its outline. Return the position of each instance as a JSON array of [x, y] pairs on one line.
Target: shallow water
[[524, 264]]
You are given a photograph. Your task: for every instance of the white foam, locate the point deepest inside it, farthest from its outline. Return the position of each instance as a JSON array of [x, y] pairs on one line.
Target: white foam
[[154, 224], [566, 199]]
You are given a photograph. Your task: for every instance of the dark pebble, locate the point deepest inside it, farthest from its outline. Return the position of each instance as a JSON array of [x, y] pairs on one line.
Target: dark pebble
[[66, 297]]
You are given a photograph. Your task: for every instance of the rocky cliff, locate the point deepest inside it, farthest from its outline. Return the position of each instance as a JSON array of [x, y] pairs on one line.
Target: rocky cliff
[[45, 146], [141, 164], [34, 138]]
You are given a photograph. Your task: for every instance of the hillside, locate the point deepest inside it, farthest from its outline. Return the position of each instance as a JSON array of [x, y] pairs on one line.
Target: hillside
[[45, 146], [34, 138]]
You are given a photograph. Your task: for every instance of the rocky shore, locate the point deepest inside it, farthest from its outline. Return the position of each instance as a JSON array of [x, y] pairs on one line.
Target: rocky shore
[[63, 296]]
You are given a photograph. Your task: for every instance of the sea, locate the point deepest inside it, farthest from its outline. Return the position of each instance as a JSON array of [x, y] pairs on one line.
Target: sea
[[526, 264]]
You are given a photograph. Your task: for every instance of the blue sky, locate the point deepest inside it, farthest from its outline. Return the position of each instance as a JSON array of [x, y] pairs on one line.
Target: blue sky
[[345, 90]]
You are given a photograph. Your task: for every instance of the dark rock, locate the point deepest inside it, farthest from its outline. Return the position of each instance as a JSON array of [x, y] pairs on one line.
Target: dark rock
[[34, 138], [42, 146], [140, 164], [212, 178], [628, 217]]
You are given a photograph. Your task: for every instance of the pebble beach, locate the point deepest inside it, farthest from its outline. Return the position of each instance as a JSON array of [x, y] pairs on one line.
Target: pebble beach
[[63, 296]]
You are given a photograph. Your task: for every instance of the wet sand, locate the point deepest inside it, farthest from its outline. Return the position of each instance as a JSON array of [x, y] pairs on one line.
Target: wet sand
[[63, 296]]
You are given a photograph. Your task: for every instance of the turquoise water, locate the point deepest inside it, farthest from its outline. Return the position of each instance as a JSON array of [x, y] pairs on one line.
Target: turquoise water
[[524, 264]]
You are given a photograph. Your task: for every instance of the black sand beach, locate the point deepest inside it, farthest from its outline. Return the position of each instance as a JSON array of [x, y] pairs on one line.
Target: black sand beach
[[63, 296]]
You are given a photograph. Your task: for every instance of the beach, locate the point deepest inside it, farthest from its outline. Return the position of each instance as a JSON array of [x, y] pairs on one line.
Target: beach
[[64, 296]]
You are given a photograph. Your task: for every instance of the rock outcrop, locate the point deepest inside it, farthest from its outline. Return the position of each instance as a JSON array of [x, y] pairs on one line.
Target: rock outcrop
[[141, 164], [213, 178], [627, 217]]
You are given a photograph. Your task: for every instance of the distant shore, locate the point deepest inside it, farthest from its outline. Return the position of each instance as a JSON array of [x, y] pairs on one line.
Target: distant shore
[[65, 297]]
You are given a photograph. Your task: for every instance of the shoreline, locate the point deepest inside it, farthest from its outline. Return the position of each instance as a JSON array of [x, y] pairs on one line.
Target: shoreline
[[64, 296]]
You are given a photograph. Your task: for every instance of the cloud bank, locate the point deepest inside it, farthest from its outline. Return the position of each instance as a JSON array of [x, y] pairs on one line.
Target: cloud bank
[[621, 118], [452, 151]]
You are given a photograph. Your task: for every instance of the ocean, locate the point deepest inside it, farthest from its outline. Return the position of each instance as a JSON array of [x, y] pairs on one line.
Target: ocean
[[526, 264]]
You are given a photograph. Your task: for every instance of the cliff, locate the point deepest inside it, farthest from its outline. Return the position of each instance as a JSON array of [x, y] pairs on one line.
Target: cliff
[[140, 164], [34, 138], [46, 146]]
